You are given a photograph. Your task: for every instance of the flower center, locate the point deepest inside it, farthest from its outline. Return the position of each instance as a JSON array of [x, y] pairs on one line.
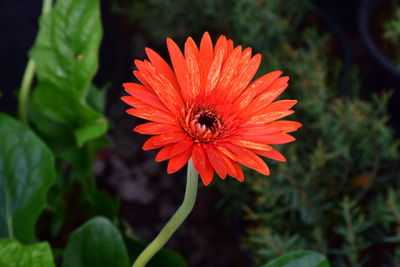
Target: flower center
[[203, 125], [207, 119]]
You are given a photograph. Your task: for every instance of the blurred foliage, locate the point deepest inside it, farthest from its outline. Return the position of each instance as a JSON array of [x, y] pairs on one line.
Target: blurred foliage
[[391, 32], [339, 192]]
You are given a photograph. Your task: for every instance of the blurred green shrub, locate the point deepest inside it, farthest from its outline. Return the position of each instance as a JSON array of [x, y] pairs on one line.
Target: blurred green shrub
[[339, 191]]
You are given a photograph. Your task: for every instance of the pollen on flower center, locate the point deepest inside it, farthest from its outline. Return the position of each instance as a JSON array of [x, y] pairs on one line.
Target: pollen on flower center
[[207, 120], [203, 125]]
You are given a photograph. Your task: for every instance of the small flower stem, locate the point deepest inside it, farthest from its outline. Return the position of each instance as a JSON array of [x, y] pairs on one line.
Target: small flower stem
[[25, 88], [176, 220], [28, 76]]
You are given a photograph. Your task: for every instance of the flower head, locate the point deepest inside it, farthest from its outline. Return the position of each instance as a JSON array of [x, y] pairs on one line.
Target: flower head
[[206, 108]]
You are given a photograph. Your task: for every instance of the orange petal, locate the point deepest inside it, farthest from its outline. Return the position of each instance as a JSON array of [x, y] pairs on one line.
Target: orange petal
[[232, 168], [245, 157], [255, 88], [199, 158], [162, 87], [177, 162], [155, 128], [181, 146], [239, 173], [229, 71], [269, 94], [279, 105], [145, 99], [208, 173], [267, 117], [272, 127], [274, 138], [244, 77], [162, 66], [162, 140], [216, 161], [192, 62], [164, 153], [206, 56], [272, 154], [248, 144], [180, 68], [215, 69], [152, 114]]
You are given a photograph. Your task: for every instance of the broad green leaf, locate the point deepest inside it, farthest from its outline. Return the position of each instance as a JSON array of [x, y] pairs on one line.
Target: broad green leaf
[[66, 49], [165, 257], [300, 259], [13, 254], [26, 174], [96, 243], [66, 56]]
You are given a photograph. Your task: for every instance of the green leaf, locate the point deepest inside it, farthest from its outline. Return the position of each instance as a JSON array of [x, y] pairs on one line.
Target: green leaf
[[66, 56], [300, 259], [66, 49], [26, 174], [96, 243], [165, 257], [13, 254]]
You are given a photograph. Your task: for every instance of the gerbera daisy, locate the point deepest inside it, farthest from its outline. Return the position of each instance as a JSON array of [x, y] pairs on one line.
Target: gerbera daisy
[[206, 108]]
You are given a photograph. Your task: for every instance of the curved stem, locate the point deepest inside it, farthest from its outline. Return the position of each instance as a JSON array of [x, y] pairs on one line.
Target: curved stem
[[25, 88], [176, 220], [28, 75]]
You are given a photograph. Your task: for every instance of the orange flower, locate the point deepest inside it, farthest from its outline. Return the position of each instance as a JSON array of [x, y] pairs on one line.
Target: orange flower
[[205, 108]]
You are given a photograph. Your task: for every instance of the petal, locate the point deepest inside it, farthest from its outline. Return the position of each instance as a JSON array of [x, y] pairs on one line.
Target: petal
[[255, 88], [162, 66], [216, 161], [246, 74], [163, 139], [274, 138], [285, 126], [277, 106], [155, 128], [272, 127], [192, 62], [145, 100], [199, 158], [248, 144], [229, 71], [215, 69], [245, 157], [177, 162], [272, 154], [267, 117], [239, 173], [162, 87], [164, 153], [208, 174], [269, 94], [206, 56], [181, 147], [180, 68], [232, 168], [152, 114]]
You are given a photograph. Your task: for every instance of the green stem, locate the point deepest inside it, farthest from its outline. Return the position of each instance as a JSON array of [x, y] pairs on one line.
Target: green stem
[[25, 88], [176, 220], [28, 75]]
